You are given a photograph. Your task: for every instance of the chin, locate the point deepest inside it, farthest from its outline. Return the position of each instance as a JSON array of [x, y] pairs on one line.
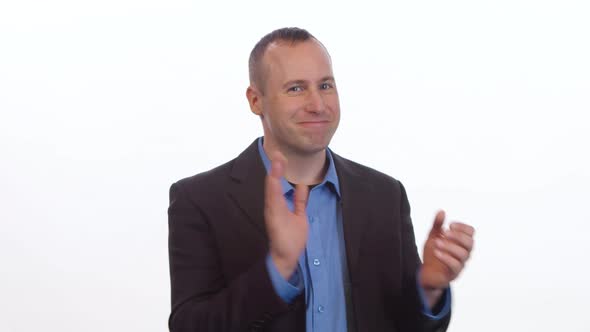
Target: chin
[[314, 147]]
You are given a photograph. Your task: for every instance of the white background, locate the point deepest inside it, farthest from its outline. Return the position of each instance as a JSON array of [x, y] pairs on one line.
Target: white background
[[478, 107]]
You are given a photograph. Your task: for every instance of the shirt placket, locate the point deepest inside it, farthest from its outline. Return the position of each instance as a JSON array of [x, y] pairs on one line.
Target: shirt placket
[[316, 266]]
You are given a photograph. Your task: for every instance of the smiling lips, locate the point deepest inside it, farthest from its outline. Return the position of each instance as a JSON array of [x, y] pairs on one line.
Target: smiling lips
[[314, 124]]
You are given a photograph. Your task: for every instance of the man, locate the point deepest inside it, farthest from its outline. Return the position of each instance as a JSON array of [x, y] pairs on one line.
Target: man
[[289, 236]]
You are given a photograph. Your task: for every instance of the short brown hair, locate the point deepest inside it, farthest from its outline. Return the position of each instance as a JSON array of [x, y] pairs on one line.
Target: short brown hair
[[289, 35]]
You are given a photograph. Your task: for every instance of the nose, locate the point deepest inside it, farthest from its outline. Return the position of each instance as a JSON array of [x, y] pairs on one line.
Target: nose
[[315, 102]]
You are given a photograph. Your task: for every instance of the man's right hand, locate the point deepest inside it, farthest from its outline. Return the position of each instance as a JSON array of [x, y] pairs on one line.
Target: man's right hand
[[287, 231]]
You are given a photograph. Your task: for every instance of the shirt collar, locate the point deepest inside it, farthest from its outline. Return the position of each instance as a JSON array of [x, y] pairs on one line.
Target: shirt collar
[[331, 175]]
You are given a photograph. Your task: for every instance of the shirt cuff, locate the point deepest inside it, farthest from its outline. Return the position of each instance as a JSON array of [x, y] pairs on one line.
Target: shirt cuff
[[286, 289], [446, 297]]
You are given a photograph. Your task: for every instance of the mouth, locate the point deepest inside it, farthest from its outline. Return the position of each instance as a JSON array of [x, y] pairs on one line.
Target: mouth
[[314, 124]]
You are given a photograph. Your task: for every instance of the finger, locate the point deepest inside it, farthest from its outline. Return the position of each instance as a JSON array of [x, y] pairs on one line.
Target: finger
[[452, 249], [438, 223], [453, 265], [301, 194], [460, 239], [273, 189], [461, 227], [277, 165]]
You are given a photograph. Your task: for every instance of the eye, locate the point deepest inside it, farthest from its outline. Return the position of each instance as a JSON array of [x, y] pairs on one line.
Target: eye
[[296, 88], [326, 86]]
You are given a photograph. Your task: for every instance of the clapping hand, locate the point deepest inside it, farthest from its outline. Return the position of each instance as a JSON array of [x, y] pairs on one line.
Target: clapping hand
[[287, 231], [445, 253]]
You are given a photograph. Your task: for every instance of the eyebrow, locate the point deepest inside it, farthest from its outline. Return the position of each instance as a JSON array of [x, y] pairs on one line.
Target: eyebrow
[[298, 82]]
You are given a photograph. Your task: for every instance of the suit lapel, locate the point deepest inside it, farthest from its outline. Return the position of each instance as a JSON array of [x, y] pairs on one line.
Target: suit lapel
[[247, 185], [355, 203]]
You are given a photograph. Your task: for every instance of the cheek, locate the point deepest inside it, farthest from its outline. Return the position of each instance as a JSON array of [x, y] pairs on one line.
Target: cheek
[[278, 115], [332, 100], [334, 104], [288, 109]]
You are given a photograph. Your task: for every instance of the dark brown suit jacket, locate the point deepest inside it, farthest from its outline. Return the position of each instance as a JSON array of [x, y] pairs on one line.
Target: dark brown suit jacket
[[218, 245]]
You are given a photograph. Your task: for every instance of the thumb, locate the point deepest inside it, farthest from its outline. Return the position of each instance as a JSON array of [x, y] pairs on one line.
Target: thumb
[[437, 224]]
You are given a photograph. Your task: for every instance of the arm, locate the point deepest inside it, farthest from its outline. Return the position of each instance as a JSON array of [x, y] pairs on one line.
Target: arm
[[202, 300], [414, 319], [436, 303]]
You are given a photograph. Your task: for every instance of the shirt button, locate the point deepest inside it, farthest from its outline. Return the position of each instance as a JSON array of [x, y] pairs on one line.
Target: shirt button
[[321, 308], [316, 262]]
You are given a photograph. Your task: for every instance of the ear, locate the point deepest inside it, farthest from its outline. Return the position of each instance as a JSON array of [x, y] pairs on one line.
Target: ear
[[254, 99]]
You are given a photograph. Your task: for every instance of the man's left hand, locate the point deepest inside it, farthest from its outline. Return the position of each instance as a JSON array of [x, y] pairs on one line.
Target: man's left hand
[[445, 254]]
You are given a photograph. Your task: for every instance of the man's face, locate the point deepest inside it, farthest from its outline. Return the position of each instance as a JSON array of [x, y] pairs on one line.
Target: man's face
[[300, 110]]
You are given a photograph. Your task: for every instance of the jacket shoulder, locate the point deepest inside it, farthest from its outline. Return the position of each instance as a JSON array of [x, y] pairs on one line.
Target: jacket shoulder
[[370, 175], [205, 183]]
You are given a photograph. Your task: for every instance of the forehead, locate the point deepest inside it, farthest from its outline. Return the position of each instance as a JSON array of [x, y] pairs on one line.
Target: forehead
[[306, 60]]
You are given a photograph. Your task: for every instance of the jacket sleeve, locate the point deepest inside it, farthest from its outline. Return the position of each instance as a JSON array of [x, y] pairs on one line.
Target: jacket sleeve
[[202, 298], [414, 319]]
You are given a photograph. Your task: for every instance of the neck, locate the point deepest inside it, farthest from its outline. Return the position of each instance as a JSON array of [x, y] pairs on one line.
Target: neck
[[307, 169]]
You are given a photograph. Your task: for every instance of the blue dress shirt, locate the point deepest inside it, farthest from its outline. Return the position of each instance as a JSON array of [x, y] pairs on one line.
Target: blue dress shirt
[[322, 265]]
